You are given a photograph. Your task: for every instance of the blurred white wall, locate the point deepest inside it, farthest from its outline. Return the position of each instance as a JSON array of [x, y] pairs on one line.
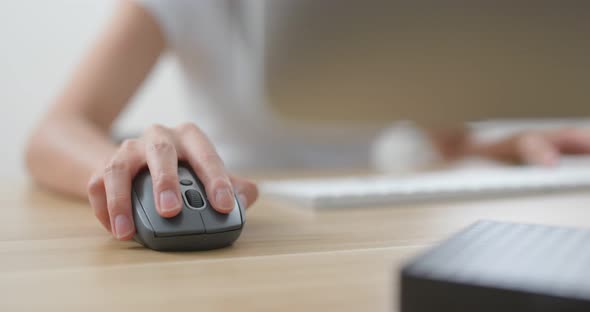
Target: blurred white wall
[[41, 42]]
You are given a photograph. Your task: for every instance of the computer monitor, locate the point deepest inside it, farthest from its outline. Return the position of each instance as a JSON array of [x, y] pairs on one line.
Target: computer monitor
[[429, 61]]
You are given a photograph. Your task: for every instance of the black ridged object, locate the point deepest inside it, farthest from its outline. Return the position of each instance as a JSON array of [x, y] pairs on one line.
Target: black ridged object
[[497, 266]]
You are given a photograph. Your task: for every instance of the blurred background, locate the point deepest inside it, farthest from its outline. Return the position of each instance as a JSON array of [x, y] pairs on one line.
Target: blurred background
[[429, 61], [448, 61], [42, 41]]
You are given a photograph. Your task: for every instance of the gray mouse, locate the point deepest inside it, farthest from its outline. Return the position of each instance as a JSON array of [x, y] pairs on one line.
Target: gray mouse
[[197, 227]]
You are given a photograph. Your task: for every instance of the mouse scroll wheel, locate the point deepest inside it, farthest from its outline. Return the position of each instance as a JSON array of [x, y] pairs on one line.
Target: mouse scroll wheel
[[194, 199]]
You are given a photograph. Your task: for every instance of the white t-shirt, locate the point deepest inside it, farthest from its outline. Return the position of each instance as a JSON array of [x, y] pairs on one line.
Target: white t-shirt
[[219, 45]]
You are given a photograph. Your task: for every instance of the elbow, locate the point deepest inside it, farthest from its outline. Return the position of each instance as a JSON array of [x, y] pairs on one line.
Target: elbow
[[37, 150], [33, 151]]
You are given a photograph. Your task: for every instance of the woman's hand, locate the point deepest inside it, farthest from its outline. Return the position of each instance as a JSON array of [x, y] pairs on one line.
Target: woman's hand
[[536, 147], [73, 139], [160, 148]]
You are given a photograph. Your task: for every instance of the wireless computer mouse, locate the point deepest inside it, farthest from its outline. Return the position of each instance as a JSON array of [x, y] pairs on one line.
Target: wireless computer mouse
[[197, 227]]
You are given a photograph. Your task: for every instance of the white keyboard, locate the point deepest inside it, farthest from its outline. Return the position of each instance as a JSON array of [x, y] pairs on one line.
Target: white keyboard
[[451, 184]]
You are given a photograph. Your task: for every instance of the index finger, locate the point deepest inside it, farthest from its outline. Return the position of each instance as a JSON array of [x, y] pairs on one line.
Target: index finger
[[162, 161]]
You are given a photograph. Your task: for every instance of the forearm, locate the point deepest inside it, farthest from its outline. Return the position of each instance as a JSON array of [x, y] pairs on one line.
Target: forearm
[[63, 152], [73, 141]]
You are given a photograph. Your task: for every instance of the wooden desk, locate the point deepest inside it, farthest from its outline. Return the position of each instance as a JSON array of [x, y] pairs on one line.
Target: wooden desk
[[54, 255]]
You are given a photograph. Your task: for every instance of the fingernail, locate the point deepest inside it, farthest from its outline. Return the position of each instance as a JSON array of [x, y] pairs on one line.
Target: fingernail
[[122, 226], [224, 198], [168, 200]]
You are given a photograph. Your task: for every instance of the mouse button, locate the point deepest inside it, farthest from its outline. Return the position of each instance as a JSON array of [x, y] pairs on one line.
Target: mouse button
[[139, 216], [216, 222], [186, 222], [142, 185], [142, 190], [186, 182]]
